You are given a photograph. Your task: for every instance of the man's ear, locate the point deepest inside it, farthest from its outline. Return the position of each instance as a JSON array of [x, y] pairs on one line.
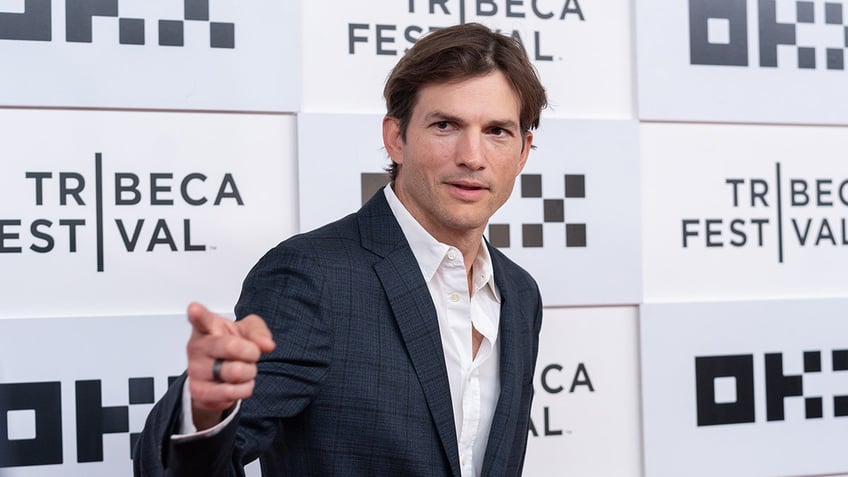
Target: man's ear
[[392, 140], [525, 152]]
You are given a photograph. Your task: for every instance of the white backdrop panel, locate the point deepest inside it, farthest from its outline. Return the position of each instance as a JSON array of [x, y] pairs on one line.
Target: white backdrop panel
[[163, 240], [572, 220], [334, 151], [743, 60], [124, 361], [586, 407], [745, 388], [744, 212], [120, 54], [582, 49]]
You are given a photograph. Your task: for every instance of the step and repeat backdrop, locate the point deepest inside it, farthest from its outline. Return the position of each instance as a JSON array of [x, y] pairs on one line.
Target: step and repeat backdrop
[[684, 212]]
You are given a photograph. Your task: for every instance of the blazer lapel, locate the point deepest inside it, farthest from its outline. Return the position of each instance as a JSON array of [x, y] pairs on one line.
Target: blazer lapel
[[415, 313], [504, 421]]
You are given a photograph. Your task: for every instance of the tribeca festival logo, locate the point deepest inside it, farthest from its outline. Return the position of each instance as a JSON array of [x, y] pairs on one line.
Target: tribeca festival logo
[[552, 210], [393, 39], [555, 379], [35, 23], [726, 387], [31, 430], [70, 189], [810, 212], [719, 32]]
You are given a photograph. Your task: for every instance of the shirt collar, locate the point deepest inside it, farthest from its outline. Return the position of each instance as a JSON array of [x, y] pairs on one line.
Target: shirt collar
[[429, 252]]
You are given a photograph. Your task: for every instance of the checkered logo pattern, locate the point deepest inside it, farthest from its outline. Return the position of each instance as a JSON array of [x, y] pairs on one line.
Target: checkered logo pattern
[[834, 15], [532, 234], [34, 23]]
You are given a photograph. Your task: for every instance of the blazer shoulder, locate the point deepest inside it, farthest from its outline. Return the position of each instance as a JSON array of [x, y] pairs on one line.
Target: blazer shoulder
[[373, 228]]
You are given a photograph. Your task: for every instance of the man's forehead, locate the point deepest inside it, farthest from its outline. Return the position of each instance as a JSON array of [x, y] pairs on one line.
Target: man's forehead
[[437, 90]]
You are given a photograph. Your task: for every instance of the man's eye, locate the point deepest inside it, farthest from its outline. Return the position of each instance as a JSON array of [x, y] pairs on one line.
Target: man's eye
[[499, 131], [442, 125]]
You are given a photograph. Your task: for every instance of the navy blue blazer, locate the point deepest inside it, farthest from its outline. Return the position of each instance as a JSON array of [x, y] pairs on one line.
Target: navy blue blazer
[[357, 385]]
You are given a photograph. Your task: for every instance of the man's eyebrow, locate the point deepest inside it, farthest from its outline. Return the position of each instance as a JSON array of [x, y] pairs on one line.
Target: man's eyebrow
[[503, 124], [440, 116]]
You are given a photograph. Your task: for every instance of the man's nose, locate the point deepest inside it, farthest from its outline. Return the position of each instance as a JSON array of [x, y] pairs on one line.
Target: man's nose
[[470, 151]]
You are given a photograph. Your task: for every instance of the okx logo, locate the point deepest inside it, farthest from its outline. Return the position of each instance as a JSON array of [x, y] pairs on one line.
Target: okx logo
[[553, 213], [817, 31], [31, 431], [726, 387], [85, 202], [36, 23]]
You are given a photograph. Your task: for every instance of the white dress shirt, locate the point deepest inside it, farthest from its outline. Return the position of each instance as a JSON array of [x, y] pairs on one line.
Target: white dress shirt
[[474, 381]]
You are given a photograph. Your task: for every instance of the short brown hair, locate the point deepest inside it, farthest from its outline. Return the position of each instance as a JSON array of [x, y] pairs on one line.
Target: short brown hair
[[456, 53]]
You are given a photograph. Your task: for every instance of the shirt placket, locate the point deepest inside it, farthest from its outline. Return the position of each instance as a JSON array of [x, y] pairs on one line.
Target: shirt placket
[[459, 312]]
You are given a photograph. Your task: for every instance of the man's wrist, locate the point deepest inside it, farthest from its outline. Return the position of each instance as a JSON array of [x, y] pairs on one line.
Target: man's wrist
[[188, 428]]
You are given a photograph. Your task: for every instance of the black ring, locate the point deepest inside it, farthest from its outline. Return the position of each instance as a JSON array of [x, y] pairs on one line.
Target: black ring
[[216, 370]]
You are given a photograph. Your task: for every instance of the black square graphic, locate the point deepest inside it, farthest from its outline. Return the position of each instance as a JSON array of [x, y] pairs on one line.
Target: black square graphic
[[134, 437], [840, 359], [554, 210], [575, 186], [170, 33], [840, 406], [197, 10], [141, 391], [806, 57], [835, 59], [833, 13], [806, 12], [812, 361], [531, 235], [531, 185], [813, 408], [222, 35], [370, 183], [499, 235], [575, 235], [131, 31]]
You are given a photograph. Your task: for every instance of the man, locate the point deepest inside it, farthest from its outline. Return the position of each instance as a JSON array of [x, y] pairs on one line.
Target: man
[[402, 343]]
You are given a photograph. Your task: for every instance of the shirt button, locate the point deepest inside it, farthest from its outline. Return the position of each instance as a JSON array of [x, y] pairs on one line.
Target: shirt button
[[454, 297], [452, 254]]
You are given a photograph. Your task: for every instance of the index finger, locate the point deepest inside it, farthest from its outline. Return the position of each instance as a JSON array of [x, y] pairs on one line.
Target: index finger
[[204, 321]]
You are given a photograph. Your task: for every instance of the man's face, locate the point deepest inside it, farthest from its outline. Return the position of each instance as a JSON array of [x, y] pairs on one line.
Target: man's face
[[464, 148]]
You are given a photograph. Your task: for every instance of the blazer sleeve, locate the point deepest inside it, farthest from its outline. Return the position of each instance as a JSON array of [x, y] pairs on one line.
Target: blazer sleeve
[[154, 451], [285, 288]]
